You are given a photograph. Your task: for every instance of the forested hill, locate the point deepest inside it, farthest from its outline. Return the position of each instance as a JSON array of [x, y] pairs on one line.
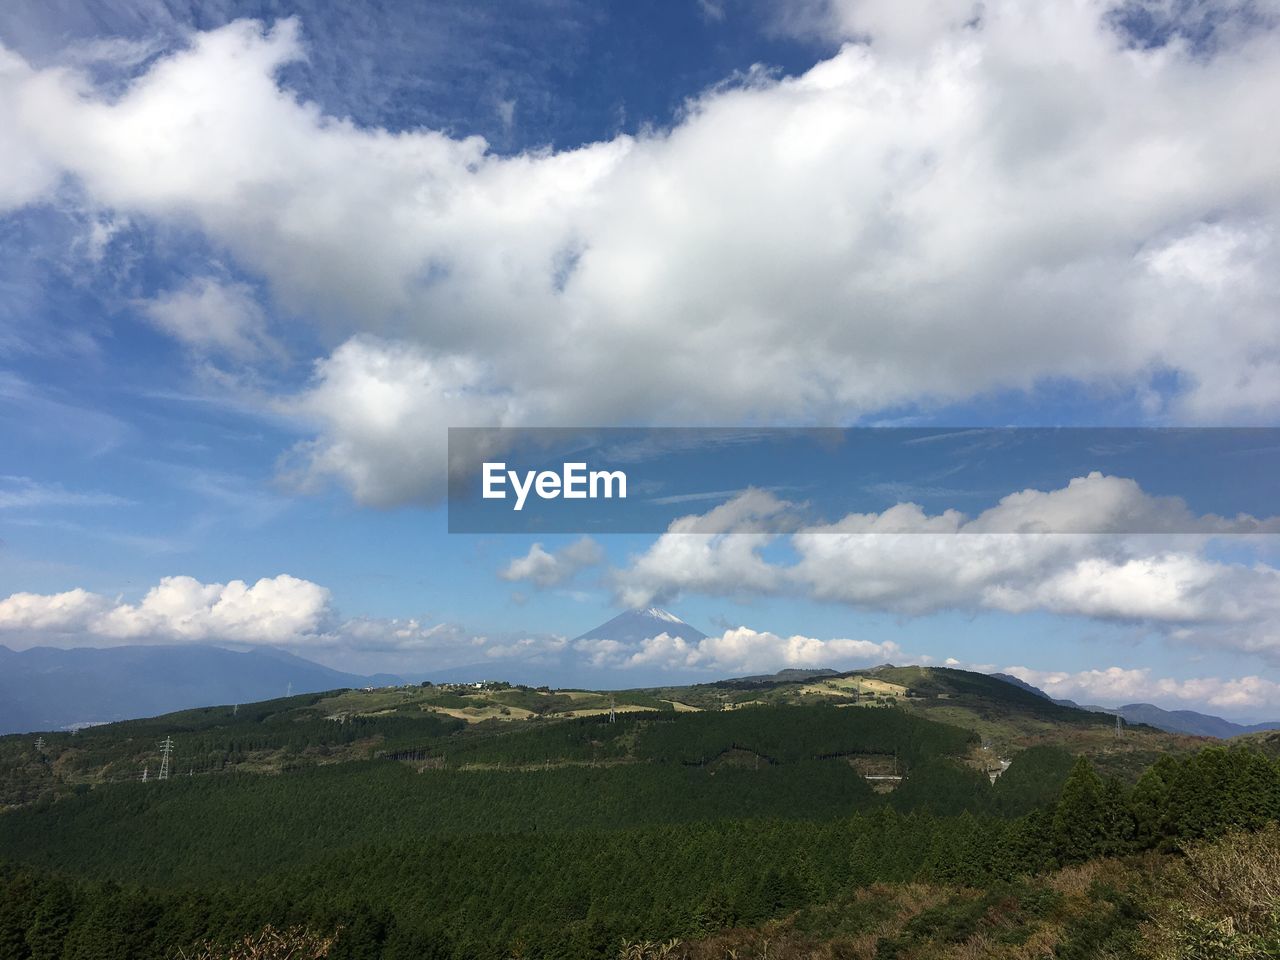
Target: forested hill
[[502, 821], [498, 723], [575, 860]]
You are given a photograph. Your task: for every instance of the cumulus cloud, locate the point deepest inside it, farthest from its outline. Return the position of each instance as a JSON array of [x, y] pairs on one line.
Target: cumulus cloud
[[714, 552], [1098, 503], [71, 610], [383, 410], [275, 610], [27, 174], [955, 203], [281, 611], [546, 569], [905, 561], [1170, 586], [737, 649]]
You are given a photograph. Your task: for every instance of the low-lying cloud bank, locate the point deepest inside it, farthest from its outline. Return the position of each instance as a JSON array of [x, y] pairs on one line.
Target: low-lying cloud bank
[[275, 610], [737, 649], [280, 611]]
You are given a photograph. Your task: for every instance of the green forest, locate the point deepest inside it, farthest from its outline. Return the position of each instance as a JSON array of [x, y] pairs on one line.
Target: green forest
[[656, 833]]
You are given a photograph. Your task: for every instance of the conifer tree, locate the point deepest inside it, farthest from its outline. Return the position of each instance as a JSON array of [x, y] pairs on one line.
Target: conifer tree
[[1079, 822]]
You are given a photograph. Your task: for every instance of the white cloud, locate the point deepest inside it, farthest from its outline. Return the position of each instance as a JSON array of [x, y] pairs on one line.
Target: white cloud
[[544, 569], [905, 561], [545, 647], [58, 612], [1169, 586], [1097, 503], [27, 173], [506, 111], [383, 411], [406, 636], [209, 315], [715, 552], [1116, 685], [737, 649], [908, 29], [961, 205], [281, 611], [902, 28], [118, 52], [712, 10], [274, 610]]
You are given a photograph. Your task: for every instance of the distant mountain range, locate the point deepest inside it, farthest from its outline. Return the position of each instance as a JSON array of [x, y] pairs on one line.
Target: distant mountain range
[[1170, 721], [49, 689]]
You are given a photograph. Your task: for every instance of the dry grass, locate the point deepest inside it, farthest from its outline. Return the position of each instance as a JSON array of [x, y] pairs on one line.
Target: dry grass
[[477, 714], [600, 711], [1223, 902], [295, 943], [1075, 881], [880, 688], [1004, 932], [1238, 877]]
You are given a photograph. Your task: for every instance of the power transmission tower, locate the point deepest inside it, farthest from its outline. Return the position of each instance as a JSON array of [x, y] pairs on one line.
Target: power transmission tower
[[613, 714], [167, 748], [1119, 727], [39, 744]]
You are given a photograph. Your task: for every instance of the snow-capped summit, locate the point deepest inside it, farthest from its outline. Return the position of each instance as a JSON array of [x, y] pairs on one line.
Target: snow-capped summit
[[632, 626], [659, 614]]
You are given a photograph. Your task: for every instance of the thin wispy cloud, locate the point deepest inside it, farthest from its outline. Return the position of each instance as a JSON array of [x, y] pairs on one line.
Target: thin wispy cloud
[[26, 493]]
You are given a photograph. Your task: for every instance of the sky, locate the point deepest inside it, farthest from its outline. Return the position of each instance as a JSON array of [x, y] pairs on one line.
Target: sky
[[257, 258]]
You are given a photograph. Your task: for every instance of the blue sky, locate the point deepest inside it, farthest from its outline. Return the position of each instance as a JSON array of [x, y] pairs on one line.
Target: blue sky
[[258, 257]]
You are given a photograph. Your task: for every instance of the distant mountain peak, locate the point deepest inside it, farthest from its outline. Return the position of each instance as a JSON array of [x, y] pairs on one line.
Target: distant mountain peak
[[632, 626]]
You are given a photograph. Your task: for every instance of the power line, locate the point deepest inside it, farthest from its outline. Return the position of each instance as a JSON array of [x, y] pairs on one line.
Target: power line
[[166, 748]]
